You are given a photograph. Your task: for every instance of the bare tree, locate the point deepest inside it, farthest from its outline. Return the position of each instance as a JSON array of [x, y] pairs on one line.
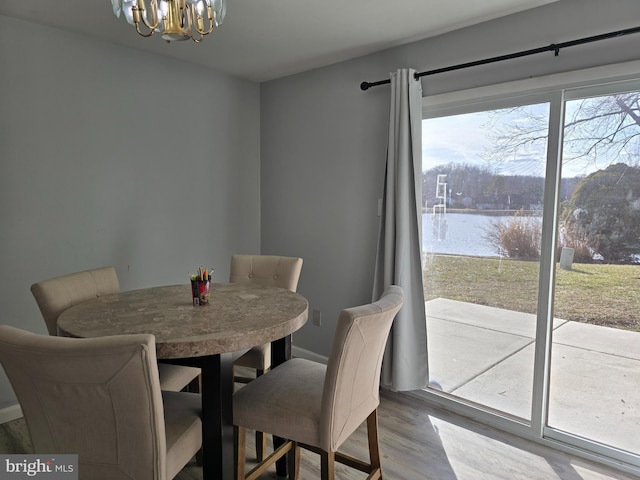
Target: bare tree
[[598, 132], [602, 143], [604, 130]]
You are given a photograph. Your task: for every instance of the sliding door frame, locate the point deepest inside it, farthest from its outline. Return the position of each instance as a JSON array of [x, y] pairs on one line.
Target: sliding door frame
[[554, 89]]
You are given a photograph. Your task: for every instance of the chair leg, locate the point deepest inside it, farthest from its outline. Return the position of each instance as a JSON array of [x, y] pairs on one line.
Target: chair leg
[[327, 465], [258, 471], [261, 438], [261, 446], [374, 446], [374, 443], [293, 462], [240, 434]]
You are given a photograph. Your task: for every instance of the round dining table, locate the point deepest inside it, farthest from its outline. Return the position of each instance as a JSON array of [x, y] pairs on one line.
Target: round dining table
[[237, 317]]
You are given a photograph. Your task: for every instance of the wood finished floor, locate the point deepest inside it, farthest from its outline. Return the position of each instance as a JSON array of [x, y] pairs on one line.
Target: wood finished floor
[[419, 442]]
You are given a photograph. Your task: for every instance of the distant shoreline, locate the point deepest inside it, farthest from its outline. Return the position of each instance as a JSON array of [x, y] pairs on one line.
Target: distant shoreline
[[491, 213]]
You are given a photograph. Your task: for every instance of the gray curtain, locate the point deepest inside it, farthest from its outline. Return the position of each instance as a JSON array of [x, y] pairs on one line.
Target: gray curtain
[[399, 258]]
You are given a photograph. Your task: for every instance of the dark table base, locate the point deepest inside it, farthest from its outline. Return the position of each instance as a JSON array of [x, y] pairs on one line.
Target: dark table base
[[217, 410]]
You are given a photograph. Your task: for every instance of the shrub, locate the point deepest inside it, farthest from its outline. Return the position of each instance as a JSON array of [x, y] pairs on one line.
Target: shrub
[[584, 247], [517, 237], [605, 209]]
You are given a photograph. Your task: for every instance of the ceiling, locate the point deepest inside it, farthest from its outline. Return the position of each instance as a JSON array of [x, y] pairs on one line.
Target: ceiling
[[265, 39]]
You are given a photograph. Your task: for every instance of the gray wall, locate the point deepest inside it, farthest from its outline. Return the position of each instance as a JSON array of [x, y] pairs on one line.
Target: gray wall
[[323, 140], [109, 156], [90, 176]]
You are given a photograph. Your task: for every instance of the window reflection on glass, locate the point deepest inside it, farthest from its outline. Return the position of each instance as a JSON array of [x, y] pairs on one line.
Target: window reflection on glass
[[483, 190], [595, 366], [482, 207]]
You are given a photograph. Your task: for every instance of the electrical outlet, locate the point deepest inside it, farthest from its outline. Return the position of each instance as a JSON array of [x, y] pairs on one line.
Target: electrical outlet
[[317, 317]]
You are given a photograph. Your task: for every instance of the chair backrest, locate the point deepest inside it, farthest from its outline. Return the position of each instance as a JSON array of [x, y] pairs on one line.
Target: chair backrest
[[55, 295], [352, 381], [268, 270], [98, 398]]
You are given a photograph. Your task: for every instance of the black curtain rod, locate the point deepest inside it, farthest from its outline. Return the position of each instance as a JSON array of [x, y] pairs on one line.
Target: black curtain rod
[[554, 47]]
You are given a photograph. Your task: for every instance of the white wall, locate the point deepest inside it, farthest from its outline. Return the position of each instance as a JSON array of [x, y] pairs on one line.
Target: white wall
[[323, 140], [109, 156]]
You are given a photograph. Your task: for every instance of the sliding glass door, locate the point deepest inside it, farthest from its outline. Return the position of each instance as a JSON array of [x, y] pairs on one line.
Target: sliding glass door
[[482, 222], [595, 357], [531, 240]]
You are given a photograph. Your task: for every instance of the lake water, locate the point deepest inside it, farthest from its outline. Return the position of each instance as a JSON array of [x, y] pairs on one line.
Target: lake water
[[464, 236]]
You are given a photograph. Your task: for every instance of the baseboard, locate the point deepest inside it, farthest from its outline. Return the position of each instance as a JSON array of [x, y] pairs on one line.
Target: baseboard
[[308, 354], [10, 413]]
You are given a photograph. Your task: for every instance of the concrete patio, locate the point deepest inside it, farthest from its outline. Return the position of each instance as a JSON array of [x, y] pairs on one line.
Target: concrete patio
[[485, 355]]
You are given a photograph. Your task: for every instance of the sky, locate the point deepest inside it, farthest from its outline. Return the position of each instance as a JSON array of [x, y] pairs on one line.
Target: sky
[[469, 139]]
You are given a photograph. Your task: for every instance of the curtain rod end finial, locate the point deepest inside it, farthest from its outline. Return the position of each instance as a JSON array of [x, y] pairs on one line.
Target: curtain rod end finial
[[364, 86]]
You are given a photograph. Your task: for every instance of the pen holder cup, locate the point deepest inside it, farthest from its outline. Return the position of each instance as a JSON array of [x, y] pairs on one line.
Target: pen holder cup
[[200, 291]]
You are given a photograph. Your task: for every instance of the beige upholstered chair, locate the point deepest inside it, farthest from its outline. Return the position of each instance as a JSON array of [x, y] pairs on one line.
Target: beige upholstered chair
[[100, 398], [272, 271], [318, 407], [55, 295]]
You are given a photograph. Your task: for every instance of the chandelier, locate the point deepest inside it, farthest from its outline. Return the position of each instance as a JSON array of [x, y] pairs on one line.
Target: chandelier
[[173, 19]]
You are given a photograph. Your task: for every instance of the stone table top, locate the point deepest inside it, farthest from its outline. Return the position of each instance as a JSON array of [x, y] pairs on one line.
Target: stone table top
[[238, 316]]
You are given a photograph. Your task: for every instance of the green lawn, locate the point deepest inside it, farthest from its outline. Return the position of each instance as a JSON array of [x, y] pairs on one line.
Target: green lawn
[[597, 294]]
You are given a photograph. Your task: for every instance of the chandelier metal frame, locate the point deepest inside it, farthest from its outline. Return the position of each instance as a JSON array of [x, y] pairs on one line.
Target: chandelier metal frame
[[175, 20]]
